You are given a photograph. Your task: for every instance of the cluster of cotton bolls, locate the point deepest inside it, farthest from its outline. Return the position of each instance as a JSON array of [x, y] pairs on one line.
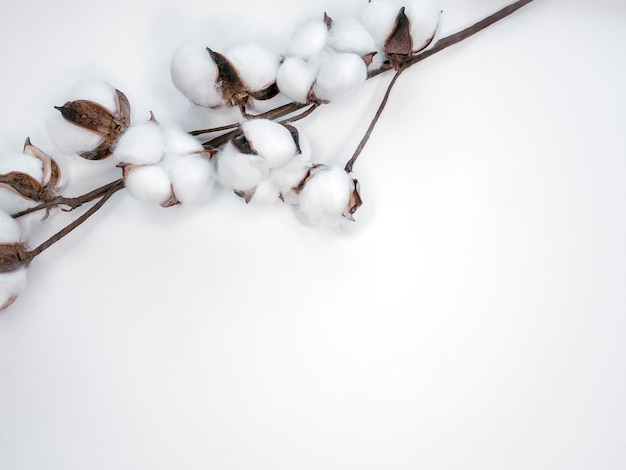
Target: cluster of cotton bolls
[[325, 59], [164, 165]]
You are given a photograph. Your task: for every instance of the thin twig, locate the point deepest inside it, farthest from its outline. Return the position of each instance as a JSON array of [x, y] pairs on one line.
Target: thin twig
[[71, 202], [62, 233], [368, 133]]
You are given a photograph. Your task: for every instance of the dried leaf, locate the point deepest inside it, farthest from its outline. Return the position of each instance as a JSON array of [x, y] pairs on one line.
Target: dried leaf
[[89, 115], [13, 257], [399, 43]]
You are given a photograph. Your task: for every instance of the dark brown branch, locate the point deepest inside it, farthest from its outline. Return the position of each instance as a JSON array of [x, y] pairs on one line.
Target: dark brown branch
[[439, 46], [368, 133], [62, 233], [71, 202]]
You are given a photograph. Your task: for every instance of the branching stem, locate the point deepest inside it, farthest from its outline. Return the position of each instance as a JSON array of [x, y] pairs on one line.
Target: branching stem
[[115, 187]]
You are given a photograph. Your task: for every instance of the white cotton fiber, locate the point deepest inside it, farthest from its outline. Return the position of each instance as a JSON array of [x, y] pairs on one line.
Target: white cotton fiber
[[177, 141], [257, 66], [349, 35], [326, 194], [424, 18], [379, 18], [265, 193], [192, 177], [9, 230], [148, 184], [195, 74], [70, 138], [341, 73], [23, 164], [98, 91], [290, 175], [295, 78], [11, 285], [309, 40], [270, 140], [141, 144], [239, 171]]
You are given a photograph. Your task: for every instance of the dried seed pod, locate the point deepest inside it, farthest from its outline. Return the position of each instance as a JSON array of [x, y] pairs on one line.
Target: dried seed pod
[[96, 118], [51, 177], [14, 258]]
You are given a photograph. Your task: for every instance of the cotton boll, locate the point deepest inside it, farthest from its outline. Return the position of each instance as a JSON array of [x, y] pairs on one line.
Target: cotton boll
[[379, 18], [349, 35], [9, 230], [192, 177], [270, 140], [265, 193], [195, 74], [141, 144], [11, 285], [295, 78], [257, 66], [309, 40], [424, 17], [340, 74], [325, 195], [239, 171], [176, 140], [148, 184]]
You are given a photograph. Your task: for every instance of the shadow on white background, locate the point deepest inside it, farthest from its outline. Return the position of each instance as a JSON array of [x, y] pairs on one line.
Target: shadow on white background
[[472, 318]]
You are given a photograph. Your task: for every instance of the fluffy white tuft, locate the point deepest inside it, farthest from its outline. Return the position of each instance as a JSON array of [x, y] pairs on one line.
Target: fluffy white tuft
[[424, 17], [9, 230], [148, 184], [177, 141], [265, 193], [270, 140], [340, 74], [257, 66], [141, 144], [295, 78], [11, 285], [195, 74], [239, 171], [95, 90], [325, 195], [309, 40], [349, 35], [379, 18], [70, 138], [192, 177]]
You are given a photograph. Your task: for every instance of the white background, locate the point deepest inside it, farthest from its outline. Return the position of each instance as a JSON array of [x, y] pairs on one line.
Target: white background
[[473, 317]]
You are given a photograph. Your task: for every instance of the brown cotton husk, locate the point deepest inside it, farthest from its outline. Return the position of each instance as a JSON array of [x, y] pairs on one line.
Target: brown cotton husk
[[96, 118], [25, 185], [12, 257], [246, 195], [88, 115], [295, 134], [51, 172], [230, 83], [399, 43], [354, 203]]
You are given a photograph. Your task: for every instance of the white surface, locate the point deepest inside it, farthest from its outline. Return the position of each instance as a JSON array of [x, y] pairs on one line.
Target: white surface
[[473, 319]]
